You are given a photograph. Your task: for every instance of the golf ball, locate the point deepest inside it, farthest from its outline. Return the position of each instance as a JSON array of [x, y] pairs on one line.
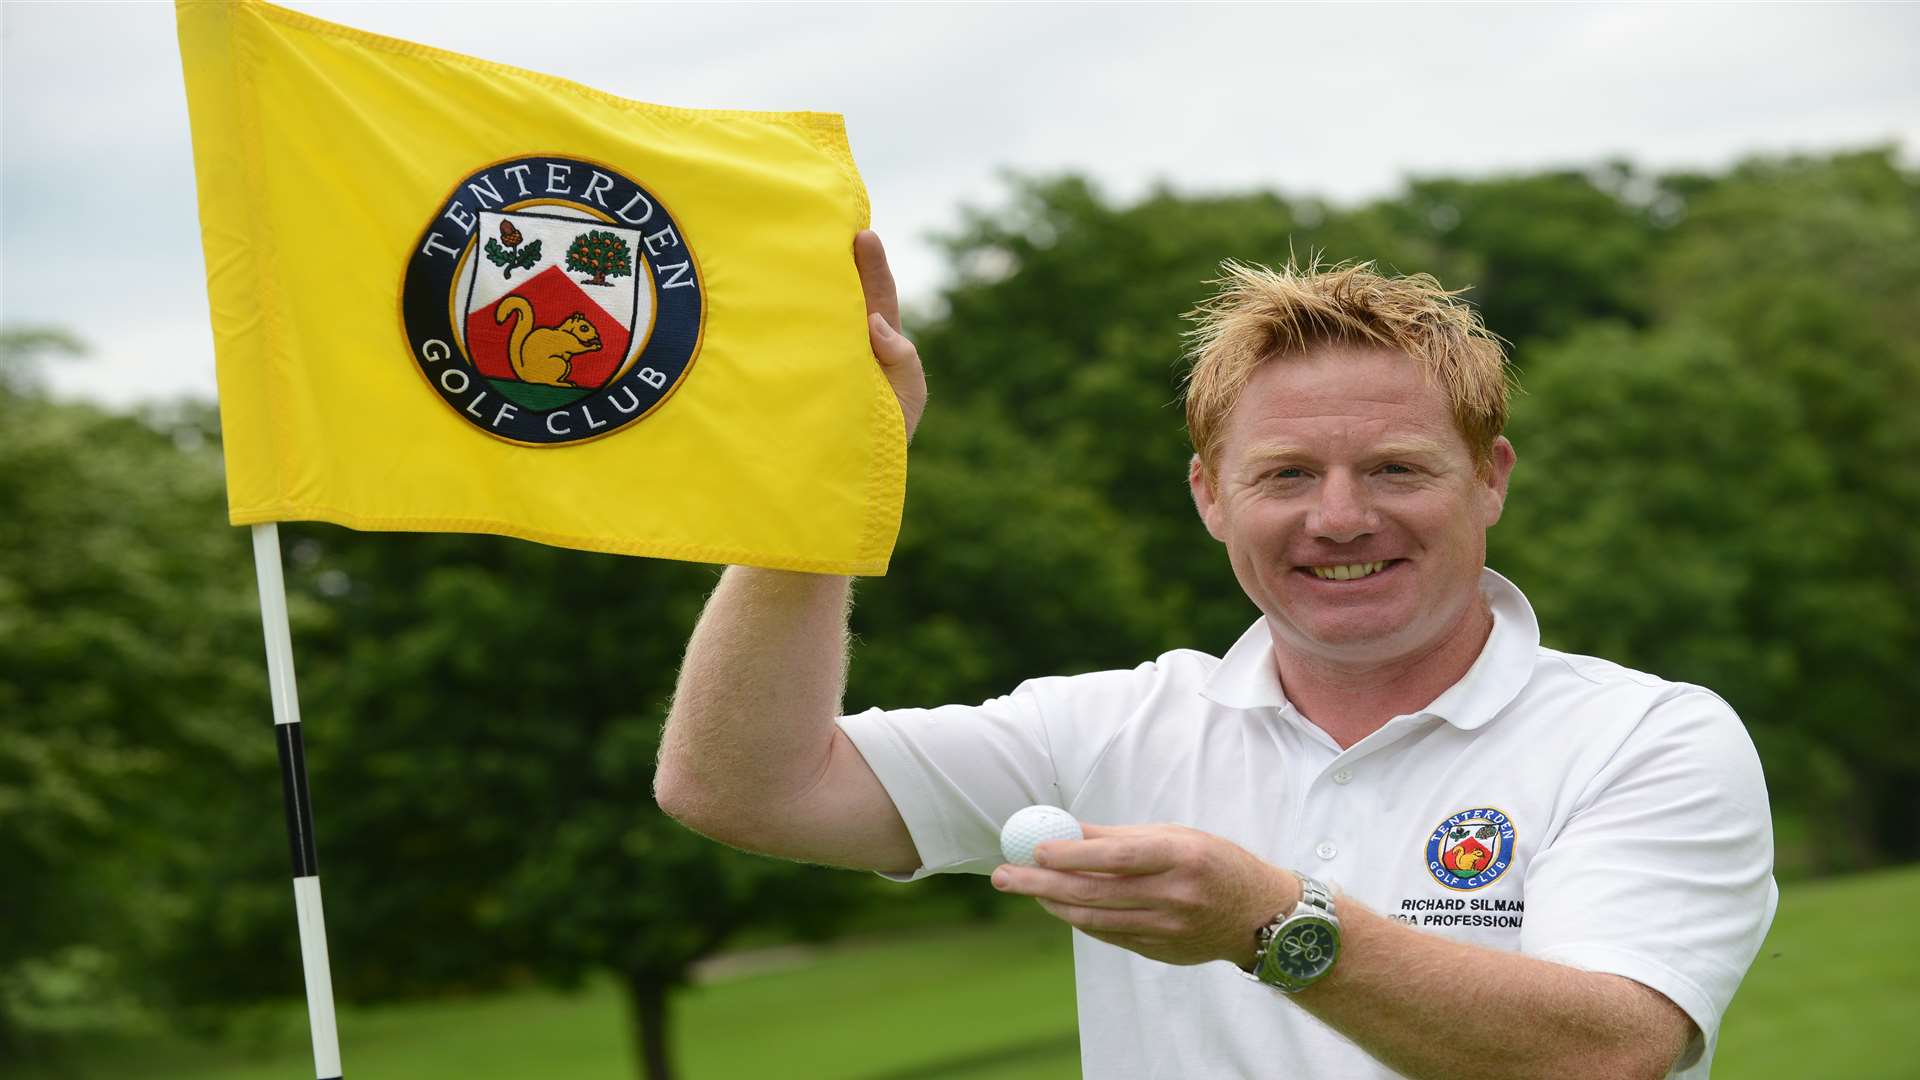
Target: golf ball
[[1032, 826]]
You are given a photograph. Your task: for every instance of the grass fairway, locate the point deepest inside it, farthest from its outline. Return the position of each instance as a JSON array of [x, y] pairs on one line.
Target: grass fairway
[[992, 1001], [1836, 988], [1834, 993]]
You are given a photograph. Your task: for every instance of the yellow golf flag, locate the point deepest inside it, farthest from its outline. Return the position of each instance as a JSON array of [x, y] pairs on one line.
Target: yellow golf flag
[[451, 295]]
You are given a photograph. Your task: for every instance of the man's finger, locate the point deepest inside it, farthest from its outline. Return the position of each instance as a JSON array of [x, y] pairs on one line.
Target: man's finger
[[1099, 920], [1080, 890], [890, 346], [1109, 852], [876, 278]]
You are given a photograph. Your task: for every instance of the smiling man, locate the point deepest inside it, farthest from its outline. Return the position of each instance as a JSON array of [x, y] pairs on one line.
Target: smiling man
[[1387, 834]]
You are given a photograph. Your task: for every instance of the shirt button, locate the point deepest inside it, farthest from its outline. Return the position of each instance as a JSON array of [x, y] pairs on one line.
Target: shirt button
[[1326, 850], [1343, 776]]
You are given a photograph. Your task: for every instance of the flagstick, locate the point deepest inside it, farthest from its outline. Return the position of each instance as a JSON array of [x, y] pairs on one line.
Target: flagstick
[[293, 787]]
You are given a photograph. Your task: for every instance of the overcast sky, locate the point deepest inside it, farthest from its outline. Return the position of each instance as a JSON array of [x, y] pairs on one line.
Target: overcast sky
[[1338, 101]]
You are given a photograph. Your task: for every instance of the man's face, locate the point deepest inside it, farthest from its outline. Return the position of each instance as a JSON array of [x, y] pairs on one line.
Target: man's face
[[1350, 506]]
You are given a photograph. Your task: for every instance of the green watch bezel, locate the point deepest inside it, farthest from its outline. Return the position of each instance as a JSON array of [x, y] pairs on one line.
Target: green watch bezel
[[1300, 952], [1298, 949]]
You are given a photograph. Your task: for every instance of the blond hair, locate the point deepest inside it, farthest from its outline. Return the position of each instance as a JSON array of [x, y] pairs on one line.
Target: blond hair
[[1261, 315]]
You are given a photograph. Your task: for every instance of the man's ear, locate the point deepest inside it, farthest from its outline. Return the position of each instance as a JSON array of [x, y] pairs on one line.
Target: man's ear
[[1498, 472], [1203, 498]]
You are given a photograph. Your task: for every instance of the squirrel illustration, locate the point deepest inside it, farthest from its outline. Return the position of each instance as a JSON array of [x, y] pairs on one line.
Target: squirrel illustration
[[544, 354]]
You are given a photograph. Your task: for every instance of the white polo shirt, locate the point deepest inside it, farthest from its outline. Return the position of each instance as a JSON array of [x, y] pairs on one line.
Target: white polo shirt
[[1547, 803]]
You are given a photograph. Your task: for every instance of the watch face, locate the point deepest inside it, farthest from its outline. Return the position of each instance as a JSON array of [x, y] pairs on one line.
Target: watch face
[[1305, 949]]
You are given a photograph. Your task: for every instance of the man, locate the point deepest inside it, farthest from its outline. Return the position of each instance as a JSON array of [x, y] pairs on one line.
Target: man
[[1446, 850]]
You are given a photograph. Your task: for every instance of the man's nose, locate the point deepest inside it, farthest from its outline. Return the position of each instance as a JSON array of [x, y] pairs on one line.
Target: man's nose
[[1343, 512]]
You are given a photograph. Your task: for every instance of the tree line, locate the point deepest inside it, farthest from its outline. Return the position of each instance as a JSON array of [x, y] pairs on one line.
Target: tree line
[[1718, 483]]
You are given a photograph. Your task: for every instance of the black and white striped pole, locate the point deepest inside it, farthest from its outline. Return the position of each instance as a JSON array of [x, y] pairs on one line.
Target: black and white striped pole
[[293, 786]]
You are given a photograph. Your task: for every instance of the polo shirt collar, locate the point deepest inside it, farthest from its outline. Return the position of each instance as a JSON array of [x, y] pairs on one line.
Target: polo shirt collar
[[1505, 663], [1246, 677]]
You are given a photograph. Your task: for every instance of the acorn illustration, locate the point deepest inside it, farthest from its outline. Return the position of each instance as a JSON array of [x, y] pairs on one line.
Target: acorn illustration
[[508, 233]]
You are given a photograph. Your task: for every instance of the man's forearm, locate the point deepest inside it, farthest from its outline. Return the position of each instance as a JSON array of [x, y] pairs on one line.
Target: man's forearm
[[1182, 896], [1400, 994], [753, 712]]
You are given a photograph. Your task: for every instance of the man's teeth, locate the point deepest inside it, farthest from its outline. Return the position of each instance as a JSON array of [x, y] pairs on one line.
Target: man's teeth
[[1348, 572]]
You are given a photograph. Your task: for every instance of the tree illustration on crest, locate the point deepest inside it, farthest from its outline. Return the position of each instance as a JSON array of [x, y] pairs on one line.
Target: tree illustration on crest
[[513, 256], [600, 253]]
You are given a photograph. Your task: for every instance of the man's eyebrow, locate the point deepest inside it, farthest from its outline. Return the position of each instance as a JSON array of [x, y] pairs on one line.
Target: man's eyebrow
[[1274, 452], [1394, 448], [1415, 447]]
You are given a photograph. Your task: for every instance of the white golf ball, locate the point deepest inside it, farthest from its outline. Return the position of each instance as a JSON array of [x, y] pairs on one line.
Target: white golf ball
[[1032, 826]]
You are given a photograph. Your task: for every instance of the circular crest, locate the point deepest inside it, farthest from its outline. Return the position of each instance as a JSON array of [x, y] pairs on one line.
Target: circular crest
[[552, 300], [1471, 849]]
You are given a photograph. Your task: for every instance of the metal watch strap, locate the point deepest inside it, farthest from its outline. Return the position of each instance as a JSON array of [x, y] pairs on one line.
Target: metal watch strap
[[1314, 896], [1314, 893]]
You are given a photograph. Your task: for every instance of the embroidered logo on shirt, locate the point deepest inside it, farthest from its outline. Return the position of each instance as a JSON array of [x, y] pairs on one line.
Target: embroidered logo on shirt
[[1471, 849]]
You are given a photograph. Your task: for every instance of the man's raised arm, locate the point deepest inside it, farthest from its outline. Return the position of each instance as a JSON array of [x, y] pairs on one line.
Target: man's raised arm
[[751, 755]]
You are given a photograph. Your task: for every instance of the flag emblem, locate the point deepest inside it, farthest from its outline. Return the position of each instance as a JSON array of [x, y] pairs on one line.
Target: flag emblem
[[1471, 849], [552, 300]]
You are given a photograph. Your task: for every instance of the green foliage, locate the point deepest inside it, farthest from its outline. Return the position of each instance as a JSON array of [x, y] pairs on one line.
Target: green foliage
[[1078, 595], [600, 253], [1715, 478], [1729, 496], [484, 716], [128, 657], [1716, 484], [518, 258], [1543, 252]]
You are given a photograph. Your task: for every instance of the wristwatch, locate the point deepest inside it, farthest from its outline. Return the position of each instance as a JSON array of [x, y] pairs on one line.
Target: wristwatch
[[1298, 947]]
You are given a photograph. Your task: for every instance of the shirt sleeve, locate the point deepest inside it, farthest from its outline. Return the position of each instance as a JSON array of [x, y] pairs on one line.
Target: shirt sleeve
[[956, 773], [1664, 871]]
